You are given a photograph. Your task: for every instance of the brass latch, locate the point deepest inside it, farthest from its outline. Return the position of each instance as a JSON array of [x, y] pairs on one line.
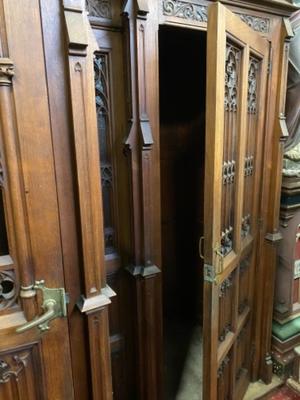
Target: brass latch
[[211, 272], [54, 305]]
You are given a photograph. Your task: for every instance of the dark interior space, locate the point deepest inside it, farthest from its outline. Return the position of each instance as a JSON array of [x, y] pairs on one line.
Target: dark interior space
[[182, 55], [3, 233]]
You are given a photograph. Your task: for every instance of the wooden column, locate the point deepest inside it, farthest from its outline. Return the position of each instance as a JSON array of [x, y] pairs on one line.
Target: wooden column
[[96, 295], [143, 150], [13, 188]]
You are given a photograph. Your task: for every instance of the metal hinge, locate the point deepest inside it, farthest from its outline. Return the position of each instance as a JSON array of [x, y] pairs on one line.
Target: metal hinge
[[209, 273]]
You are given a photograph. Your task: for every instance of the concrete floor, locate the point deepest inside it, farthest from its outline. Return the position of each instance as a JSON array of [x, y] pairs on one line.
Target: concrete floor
[[259, 389], [183, 364], [183, 368]]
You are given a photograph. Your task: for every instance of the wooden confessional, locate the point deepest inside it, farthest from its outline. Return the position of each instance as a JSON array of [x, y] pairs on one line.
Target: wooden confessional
[[140, 174]]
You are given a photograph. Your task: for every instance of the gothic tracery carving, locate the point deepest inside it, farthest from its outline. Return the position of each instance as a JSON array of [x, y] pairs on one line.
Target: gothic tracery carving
[[101, 69], [11, 366], [106, 175], [8, 293], [231, 78], [252, 86], [99, 8], [225, 285], [6, 71], [185, 10], [223, 366], [227, 240]]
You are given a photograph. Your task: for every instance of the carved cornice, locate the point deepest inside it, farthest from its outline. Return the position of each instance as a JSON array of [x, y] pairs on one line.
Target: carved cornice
[[185, 10], [6, 71], [11, 366], [146, 271]]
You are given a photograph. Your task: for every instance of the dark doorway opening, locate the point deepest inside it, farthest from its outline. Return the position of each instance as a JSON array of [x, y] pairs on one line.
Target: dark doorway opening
[[182, 68]]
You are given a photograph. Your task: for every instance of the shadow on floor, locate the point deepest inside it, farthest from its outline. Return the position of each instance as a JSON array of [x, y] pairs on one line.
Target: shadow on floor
[[183, 361]]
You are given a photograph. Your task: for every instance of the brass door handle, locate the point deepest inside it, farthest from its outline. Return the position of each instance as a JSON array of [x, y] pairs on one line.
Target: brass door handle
[[42, 321], [201, 241], [54, 306]]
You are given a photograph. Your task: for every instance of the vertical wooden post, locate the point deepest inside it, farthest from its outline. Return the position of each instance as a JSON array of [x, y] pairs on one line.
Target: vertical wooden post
[[95, 299], [271, 205], [143, 149]]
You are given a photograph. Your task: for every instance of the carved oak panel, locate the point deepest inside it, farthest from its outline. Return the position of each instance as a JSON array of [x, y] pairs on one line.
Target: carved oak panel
[[21, 375], [226, 301], [224, 389]]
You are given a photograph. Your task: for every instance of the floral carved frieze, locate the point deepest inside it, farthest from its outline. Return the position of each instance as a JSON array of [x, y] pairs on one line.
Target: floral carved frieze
[[193, 11], [258, 24], [99, 8], [185, 10], [11, 366]]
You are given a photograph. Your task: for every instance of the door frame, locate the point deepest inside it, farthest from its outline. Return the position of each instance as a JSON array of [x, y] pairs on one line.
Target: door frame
[[142, 21]]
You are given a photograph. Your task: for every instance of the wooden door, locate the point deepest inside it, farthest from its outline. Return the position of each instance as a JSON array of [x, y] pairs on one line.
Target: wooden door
[[237, 73], [50, 207], [34, 364]]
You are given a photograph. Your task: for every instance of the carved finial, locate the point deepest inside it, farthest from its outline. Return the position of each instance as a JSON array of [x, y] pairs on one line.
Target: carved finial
[[6, 71]]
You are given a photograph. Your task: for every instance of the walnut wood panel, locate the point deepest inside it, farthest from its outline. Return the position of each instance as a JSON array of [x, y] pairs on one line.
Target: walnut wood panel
[[22, 375], [53, 26], [32, 216]]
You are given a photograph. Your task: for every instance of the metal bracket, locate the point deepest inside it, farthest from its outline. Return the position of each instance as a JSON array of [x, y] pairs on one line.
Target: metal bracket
[[209, 273], [54, 305]]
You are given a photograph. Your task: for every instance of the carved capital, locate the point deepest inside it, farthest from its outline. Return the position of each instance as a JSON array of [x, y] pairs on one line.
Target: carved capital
[[92, 304], [142, 9], [6, 71], [144, 271], [274, 237]]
